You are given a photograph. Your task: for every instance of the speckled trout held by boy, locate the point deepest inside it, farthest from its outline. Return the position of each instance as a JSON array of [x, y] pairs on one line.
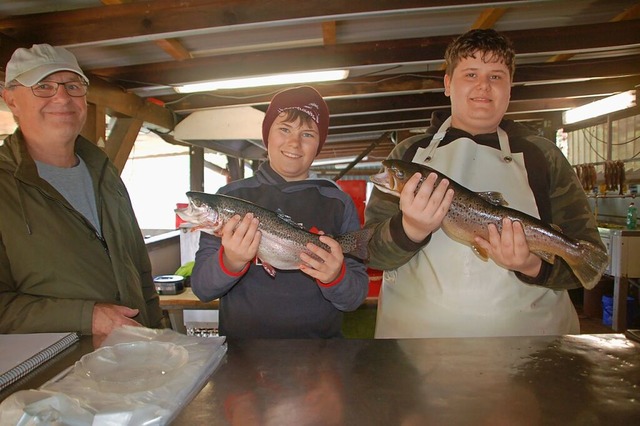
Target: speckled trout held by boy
[[471, 212], [282, 240]]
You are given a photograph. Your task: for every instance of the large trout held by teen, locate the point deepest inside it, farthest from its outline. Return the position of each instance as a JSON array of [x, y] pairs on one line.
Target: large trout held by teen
[[471, 212], [282, 240]]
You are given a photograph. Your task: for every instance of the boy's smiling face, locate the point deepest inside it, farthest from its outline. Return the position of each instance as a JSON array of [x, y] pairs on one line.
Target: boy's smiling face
[[292, 147], [480, 92]]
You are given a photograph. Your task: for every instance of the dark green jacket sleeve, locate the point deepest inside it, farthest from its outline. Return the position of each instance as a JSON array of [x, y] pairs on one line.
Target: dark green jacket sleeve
[[389, 247]]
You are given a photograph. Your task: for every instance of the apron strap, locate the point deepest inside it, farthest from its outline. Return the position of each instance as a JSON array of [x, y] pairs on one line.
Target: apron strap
[[425, 155], [504, 145]]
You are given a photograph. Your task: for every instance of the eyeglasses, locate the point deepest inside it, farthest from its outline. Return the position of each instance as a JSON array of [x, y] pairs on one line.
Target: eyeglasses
[[48, 89]]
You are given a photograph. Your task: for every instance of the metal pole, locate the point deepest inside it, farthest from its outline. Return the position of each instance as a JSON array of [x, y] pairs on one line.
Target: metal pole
[[361, 156]]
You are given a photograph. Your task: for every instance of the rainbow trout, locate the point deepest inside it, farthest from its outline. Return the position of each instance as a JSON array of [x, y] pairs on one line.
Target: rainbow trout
[[282, 239], [471, 212]]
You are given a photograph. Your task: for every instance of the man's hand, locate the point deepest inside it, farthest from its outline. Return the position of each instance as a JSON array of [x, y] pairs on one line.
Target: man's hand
[[423, 210], [328, 268], [107, 317], [240, 239], [509, 249]]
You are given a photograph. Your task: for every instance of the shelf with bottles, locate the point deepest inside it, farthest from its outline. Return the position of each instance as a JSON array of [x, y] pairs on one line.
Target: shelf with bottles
[[628, 191]]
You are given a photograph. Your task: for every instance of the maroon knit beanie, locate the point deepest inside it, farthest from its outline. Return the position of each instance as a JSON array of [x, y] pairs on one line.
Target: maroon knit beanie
[[303, 98]]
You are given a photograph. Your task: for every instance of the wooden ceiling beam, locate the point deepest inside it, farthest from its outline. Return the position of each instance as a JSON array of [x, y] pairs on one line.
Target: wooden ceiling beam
[[489, 17], [578, 69], [156, 19], [121, 140], [414, 111], [329, 34], [120, 103], [174, 48], [420, 117], [417, 50], [631, 13], [417, 107]]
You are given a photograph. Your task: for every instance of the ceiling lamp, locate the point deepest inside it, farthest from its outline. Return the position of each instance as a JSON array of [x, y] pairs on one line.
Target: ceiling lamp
[[268, 80], [603, 106], [333, 161]]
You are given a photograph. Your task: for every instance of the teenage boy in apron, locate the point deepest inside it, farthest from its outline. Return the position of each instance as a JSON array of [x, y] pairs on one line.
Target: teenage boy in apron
[[434, 286]]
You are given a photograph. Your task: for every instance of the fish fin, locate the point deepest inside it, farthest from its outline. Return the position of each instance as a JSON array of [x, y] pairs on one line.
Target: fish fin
[[203, 228], [480, 252], [546, 256], [287, 218], [588, 264], [493, 197], [556, 227], [361, 247], [269, 269]]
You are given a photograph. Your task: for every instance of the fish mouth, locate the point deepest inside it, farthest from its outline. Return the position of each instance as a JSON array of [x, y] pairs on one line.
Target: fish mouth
[[187, 213], [202, 216], [385, 182]]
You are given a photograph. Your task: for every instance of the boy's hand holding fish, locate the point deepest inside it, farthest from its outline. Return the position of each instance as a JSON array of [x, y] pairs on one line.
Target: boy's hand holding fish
[[509, 248], [330, 267], [248, 231], [240, 240], [423, 205]]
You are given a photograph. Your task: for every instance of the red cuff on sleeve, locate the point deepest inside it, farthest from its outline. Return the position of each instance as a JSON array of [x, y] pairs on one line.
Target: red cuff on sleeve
[[224, 268], [337, 280]]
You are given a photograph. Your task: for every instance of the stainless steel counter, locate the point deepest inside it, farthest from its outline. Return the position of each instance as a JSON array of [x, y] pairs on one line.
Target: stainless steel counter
[[568, 380], [565, 380]]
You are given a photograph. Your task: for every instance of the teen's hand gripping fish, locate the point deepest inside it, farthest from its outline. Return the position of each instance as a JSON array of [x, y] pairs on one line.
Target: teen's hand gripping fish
[[282, 240], [471, 213]]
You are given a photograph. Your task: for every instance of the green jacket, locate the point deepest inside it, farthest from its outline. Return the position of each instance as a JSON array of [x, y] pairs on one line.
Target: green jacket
[[54, 266]]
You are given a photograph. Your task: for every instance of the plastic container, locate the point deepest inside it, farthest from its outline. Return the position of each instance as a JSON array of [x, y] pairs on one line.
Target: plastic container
[[169, 284], [607, 310], [632, 216]]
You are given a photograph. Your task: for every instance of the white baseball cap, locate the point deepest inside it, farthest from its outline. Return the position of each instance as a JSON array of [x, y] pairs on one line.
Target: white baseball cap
[[29, 66]]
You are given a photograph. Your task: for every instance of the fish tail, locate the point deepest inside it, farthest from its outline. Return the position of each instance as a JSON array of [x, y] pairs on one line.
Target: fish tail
[[359, 247], [589, 264]]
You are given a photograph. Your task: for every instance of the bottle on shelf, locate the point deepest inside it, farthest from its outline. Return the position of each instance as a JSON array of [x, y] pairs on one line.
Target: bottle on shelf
[[632, 215]]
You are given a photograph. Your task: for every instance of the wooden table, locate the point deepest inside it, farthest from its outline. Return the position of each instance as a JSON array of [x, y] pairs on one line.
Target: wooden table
[[175, 304]]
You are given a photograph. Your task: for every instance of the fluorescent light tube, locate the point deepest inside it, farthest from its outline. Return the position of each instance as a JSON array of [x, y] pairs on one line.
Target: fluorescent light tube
[[332, 161], [603, 106], [267, 80]]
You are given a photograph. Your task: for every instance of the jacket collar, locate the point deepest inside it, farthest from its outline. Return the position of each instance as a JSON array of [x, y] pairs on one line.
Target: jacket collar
[[16, 158]]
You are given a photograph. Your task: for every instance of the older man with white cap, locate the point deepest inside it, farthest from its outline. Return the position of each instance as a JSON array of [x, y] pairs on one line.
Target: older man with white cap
[[72, 257]]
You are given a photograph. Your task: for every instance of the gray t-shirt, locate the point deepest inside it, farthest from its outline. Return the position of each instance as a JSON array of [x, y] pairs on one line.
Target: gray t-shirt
[[75, 185]]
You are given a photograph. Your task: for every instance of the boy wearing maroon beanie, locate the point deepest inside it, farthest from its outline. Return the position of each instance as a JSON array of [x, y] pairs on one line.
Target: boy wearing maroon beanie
[[305, 303]]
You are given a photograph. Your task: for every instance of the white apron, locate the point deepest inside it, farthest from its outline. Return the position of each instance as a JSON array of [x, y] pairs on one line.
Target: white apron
[[446, 290]]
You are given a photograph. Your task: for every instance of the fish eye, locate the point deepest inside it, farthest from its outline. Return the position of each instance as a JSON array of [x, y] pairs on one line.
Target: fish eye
[[400, 174]]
